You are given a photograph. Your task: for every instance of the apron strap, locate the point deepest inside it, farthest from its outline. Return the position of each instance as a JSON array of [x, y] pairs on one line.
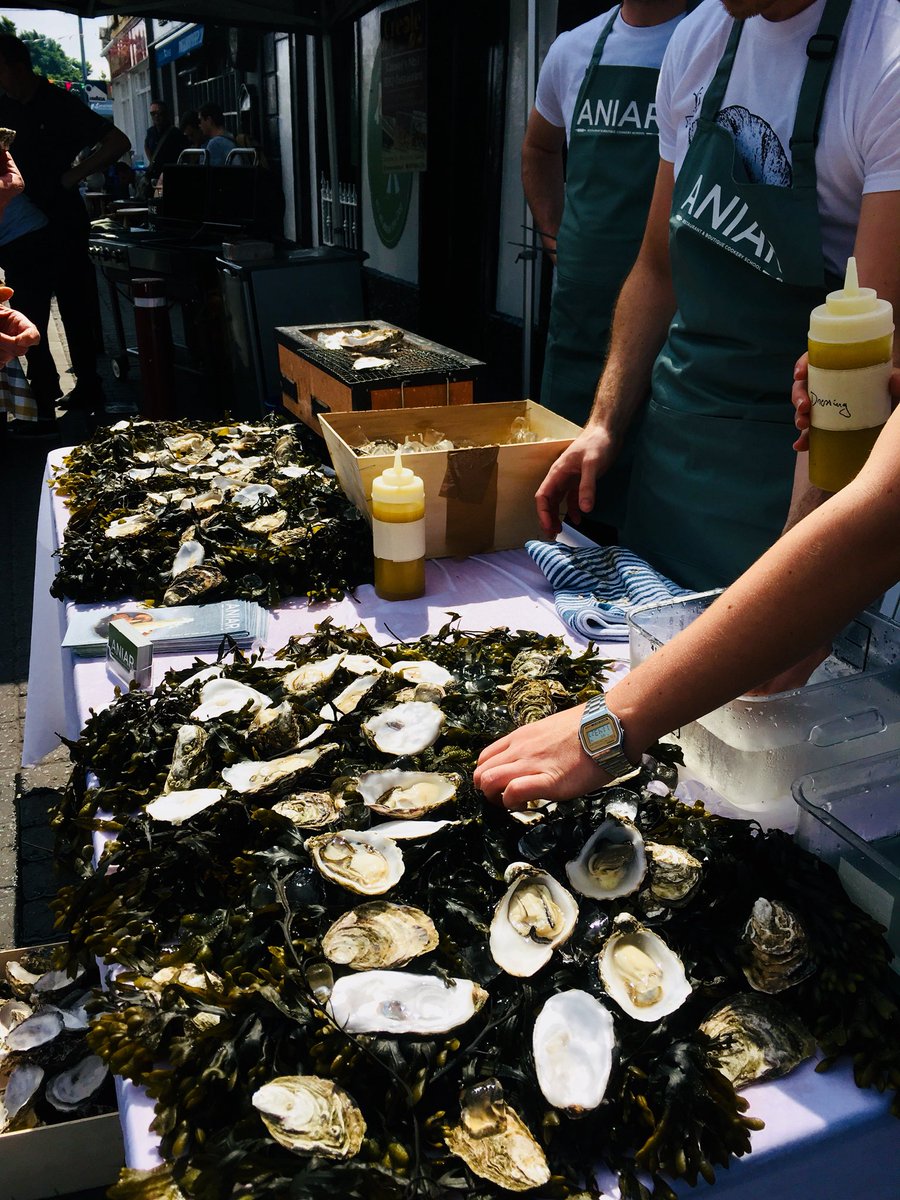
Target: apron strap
[[715, 92], [820, 52], [601, 40]]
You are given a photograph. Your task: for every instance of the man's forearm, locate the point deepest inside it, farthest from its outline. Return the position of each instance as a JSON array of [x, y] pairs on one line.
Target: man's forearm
[[542, 182], [112, 146]]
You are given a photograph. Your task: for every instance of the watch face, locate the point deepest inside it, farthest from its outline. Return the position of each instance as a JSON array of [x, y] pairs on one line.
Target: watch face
[[600, 734]]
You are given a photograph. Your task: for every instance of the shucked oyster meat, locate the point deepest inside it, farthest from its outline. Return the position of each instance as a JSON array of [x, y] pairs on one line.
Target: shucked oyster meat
[[310, 1115], [535, 916], [359, 860], [405, 793], [641, 973], [612, 862]]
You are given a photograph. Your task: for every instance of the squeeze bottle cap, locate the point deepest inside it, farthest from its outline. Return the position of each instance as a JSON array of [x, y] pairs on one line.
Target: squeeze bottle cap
[[851, 314], [398, 485]]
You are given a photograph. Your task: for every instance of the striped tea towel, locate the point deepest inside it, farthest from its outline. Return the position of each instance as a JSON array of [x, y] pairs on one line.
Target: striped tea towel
[[595, 587], [15, 392]]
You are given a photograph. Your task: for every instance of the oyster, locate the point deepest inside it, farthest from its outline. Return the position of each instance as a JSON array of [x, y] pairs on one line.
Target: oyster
[[19, 1095], [361, 664], [777, 946], [309, 810], [12, 1013], [36, 1030], [221, 696], [529, 700], [130, 526], [206, 502], [267, 523], [535, 916], [312, 673], [495, 1143], [405, 793], [639, 971], [406, 830], [252, 776], [674, 873], [274, 731], [423, 671], [406, 728], [755, 1037], [193, 583], [190, 758], [530, 664], [397, 1002], [348, 698], [362, 861], [612, 862], [175, 807], [379, 934], [310, 1115], [70, 1090], [190, 554], [573, 1041], [252, 494], [192, 447]]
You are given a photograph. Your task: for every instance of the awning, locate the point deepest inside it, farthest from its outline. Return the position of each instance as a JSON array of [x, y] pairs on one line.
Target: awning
[[303, 16], [178, 47]]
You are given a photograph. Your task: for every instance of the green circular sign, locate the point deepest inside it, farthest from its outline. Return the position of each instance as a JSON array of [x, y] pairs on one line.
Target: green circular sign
[[390, 192]]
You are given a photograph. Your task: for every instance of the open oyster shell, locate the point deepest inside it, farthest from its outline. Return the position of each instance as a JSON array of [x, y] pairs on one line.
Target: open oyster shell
[[379, 935], [176, 807], [612, 861], [641, 973], [220, 696], [573, 1040], [397, 1002], [251, 776], [535, 916], [348, 698], [19, 1095], [423, 671], [310, 1115], [406, 728], [312, 673], [274, 731], [72, 1089], [405, 793], [495, 1143], [777, 946], [755, 1037], [360, 860]]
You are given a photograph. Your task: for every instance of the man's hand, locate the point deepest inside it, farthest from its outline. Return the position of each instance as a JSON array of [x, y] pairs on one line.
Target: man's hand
[[11, 182], [17, 334], [801, 402], [573, 478], [541, 761]]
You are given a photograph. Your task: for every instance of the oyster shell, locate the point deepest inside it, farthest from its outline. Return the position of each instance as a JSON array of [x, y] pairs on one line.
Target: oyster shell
[[71, 1089], [405, 793], [130, 525], [193, 583], [310, 1115], [495, 1143], [778, 948], [379, 934], [38, 1029], [252, 493], [175, 807], [362, 664], [641, 973], [397, 1002], [611, 863], [221, 696], [674, 873], [406, 830], [423, 671], [529, 700], [755, 1037], [190, 759], [190, 554], [359, 860], [530, 664], [309, 810], [253, 776], [535, 916], [406, 728], [347, 699], [21, 1091], [12, 1013], [303, 678], [274, 731], [573, 1040], [267, 523]]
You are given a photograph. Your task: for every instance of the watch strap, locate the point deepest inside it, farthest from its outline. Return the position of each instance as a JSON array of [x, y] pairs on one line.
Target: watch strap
[[612, 758]]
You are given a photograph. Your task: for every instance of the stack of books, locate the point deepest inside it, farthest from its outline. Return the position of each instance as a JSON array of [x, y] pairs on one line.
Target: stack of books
[[186, 629]]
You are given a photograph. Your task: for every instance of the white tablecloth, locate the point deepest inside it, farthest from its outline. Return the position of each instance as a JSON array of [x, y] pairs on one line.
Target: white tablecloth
[[824, 1137]]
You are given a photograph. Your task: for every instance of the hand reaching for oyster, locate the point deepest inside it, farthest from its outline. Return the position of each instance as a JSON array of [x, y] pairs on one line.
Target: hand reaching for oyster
[[540, 761]]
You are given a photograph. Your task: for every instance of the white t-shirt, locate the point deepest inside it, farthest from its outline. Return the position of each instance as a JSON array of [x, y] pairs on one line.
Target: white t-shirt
[[859, 136], [562, 73]]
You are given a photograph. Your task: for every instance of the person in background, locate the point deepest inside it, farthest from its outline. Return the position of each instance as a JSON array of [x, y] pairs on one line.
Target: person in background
[[794, 599], [596, 98], [167, 141], [776, 166], [160, 123], [52, 127], [18, 335], [190, 129], [219, 142]]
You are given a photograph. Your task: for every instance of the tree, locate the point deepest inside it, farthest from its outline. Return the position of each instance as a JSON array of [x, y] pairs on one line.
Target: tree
[[47, 55]]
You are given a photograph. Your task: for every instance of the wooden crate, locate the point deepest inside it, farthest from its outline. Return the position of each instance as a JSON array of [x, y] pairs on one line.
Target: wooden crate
[[476, 500]]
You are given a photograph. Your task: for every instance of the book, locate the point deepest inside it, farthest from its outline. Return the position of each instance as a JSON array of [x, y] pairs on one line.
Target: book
[[184, 629]]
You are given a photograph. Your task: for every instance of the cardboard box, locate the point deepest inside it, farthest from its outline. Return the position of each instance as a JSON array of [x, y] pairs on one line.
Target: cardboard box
[[54, 1160], [316, 381], [476, 500]]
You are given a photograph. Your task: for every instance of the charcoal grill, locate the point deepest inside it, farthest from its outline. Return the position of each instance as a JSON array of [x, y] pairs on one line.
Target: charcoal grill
[[422, 374]]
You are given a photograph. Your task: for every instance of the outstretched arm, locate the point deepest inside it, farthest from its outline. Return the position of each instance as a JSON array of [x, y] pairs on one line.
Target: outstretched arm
[[797, 596]]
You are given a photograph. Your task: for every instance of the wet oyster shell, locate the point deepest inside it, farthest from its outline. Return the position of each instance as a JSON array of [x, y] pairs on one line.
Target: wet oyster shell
[[175, 807], [310, 1115], [379, 935], [193, 583], [535, 916], [38, 1029], [190, 554], [406, 728], [398, 1002], [348, 698], [252, 776], [72, 1089], [612, 862], [778, 949], [641, 973], [755, 1037], [405, 793], [497, 1145], [361, 861], [130, 526], [190, 759], [274, 731], [309, 810], [310, 674], [573, 1040], [674, 873], [18, 1097], [220, 696], [529, 700]]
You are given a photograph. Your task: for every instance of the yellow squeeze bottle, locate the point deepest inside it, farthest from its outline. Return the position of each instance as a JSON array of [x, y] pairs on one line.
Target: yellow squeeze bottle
[[850, 361], [398, 533]]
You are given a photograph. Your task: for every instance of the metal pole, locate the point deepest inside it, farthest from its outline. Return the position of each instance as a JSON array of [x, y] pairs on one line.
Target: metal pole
[[83, 60], [528, 261], [156, 354]]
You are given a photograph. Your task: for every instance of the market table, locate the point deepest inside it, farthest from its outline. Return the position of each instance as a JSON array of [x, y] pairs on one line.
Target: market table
[[823, 1135]]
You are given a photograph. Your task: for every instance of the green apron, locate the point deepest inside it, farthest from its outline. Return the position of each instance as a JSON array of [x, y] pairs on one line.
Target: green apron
[[712, 479], [610, 171]]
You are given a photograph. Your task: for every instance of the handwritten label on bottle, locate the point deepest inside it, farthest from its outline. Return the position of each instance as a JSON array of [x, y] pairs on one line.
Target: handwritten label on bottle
[[398, 541], [850, 399]]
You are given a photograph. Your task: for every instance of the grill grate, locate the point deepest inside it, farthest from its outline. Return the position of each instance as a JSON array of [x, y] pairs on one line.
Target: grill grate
[[414, 356]]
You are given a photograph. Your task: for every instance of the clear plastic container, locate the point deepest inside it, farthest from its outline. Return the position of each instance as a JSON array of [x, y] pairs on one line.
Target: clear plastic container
[[850, 816], [752, 750]]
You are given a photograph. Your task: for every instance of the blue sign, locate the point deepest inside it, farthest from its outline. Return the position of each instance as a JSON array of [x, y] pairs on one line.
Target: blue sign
[[180, 46]]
